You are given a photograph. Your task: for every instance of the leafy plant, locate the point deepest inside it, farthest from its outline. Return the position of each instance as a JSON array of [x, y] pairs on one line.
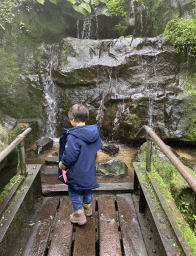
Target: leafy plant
[[119, 8], [6, 12], [182, 34], [81, 6]]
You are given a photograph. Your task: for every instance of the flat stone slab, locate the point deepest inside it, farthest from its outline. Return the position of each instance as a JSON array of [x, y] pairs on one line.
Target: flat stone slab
[[50, 171], [52, 160]]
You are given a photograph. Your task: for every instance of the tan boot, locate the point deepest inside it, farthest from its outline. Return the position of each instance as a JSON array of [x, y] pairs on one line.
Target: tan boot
[[78, 217], [87, 209]]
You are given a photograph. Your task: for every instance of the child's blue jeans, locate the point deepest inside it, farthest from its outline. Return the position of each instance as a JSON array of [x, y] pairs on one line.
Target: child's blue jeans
[[75, 196]]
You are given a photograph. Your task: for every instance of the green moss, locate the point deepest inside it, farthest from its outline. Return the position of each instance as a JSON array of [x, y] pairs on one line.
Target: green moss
[[189, 117], [187, 232], [188, 235], [9, 186], [4, 138]]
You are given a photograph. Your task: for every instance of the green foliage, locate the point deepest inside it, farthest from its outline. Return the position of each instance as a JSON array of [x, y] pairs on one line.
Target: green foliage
[[81, 6], [4, 137], [119, 8], [7, 15], [161, 12], [189, 117], [187, 204], [182, 34]]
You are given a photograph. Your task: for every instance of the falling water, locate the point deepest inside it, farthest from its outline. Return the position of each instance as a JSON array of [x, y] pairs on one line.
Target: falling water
[[49, 92], [89, 26], [100, 111], [86, 32], [78, 28], [119, 115], [150, 112]]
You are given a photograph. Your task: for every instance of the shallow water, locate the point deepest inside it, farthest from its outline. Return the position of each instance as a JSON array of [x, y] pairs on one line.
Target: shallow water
[[126, 154]]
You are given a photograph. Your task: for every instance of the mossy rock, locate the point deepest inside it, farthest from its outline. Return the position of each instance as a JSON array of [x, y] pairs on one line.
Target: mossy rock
[[112, 168]]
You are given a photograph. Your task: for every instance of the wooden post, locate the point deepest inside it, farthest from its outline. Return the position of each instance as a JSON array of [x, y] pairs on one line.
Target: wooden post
[[22, 158], [135, 183], [142, 201], [148, 153]]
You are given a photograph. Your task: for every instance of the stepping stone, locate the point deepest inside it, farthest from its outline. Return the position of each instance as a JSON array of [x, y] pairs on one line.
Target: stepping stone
[[50, 171], [52, 160], [43, 144]]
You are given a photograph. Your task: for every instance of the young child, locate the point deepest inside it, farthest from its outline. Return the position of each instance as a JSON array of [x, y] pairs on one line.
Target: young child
[[78, 147]]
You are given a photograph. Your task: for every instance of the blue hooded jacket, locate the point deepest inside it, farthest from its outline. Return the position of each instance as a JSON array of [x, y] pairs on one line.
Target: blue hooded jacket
[[78, 147]]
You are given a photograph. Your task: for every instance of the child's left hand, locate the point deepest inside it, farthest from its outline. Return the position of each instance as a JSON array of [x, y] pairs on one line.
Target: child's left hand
[[62, 166]]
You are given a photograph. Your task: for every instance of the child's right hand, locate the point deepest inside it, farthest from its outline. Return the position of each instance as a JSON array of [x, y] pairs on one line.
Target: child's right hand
[[62, 166]]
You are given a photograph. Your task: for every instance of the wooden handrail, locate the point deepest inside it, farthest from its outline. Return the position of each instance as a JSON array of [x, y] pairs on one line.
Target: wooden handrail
[[13, 145], [182, 169]]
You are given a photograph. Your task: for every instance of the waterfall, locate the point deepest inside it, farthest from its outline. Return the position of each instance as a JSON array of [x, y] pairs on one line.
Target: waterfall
[[150, 112], [100, 111], [89, 26], [119, 116], [86, 32], [49, 91]]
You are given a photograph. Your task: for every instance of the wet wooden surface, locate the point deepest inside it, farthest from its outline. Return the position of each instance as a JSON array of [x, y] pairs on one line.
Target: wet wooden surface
[[112, 229], [103, 187], [131, 234], [85, 237], [108, 227], [61, 238]]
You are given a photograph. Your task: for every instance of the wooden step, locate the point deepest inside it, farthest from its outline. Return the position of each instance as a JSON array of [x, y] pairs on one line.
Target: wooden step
[[126, 187], [148, 198], [112, 229]]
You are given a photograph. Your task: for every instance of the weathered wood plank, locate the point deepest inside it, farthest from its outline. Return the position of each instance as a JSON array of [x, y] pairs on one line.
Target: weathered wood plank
[[85, 237], [108, 227], [9, 196], [107, 187], [61, 239], [133, 242], [168, 238], [38, 241]]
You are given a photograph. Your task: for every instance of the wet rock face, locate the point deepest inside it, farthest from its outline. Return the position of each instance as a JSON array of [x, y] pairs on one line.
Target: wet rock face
[[125, 83]]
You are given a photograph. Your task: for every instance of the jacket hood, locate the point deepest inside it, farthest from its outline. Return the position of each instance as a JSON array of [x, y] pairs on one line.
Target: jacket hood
[[87, 133]]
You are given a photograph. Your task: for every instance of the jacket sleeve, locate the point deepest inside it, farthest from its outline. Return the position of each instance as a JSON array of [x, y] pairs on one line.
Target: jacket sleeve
[[71, 152]]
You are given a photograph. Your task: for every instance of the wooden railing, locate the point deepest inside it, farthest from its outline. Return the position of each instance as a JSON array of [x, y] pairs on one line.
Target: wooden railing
[[18, 141], [182, 169]]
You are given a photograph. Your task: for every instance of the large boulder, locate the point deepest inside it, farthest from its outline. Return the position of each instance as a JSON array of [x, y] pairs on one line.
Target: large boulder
[[125, 83]]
